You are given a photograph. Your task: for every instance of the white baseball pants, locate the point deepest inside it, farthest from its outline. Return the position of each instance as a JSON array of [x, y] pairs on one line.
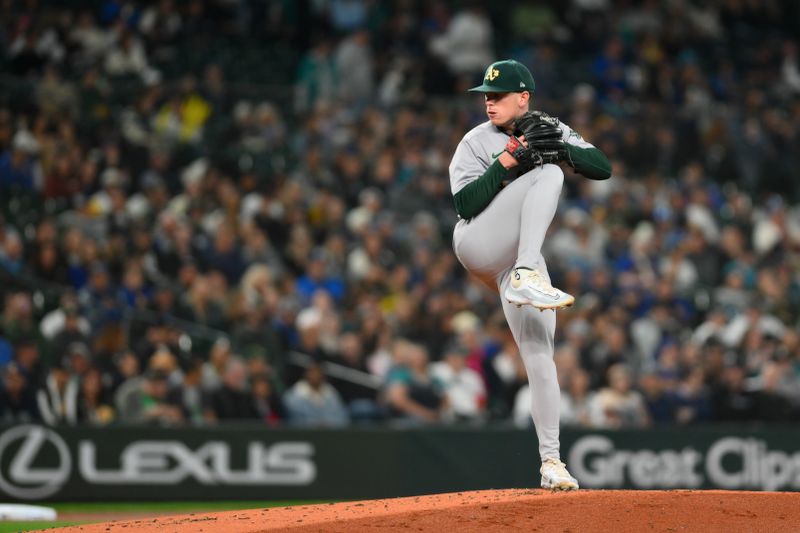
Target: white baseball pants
[[509, 233]]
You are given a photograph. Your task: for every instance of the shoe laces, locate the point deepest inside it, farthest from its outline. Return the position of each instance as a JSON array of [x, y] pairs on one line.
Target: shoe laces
[[540, 283], [559, 467]]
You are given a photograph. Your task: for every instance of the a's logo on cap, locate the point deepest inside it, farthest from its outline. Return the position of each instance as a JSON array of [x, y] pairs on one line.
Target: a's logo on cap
[[522, 84], [491, 74]]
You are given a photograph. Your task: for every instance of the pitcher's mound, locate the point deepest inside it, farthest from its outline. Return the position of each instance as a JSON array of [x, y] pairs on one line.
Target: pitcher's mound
[[504, 510]]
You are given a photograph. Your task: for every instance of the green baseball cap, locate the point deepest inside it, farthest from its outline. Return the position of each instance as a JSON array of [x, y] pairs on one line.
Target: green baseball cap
[[507, 76]]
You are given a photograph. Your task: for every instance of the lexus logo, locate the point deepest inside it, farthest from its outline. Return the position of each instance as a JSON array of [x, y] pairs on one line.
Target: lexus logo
[[18, 476]]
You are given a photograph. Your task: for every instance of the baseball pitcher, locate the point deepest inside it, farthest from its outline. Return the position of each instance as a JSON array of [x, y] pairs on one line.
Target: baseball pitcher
[[506, 182]]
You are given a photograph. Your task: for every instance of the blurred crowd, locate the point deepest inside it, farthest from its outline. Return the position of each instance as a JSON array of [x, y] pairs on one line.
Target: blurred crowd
[[224, 210]]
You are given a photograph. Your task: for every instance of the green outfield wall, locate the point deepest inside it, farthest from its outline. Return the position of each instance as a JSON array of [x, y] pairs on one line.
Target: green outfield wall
[[39, 463]]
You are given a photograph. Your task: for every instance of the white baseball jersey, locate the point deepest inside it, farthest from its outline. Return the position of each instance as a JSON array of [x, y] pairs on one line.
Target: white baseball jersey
[[483, 144]]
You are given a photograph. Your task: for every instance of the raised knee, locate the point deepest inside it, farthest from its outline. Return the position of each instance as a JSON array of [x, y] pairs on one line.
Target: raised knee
[[553, 173]]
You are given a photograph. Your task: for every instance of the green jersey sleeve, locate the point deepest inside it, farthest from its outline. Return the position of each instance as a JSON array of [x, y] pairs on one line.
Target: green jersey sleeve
[[590, 162], [476, 195]]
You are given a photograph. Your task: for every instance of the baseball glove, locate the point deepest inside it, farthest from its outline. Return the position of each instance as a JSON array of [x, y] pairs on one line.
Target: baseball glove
[[543, 137]]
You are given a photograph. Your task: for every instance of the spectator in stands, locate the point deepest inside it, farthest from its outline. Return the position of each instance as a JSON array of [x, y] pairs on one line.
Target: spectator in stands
[[609, 69], [165, 361], [462, 386], [660, 400], [17, 320], [411, 393], [505, 382], [128, 57], [110, 200], [730, 400], [100, 298], [56, 98], [19, 167], [232, 401], [318, 279], [312, 401], [27, 357], [24, 53], [124, 367], [17, 397], [200, 305], [157, 335], [90, 40], [618, 405], [266, 401], [214, 367], [134, 292], [576, 400], [359, 397], [309, 326], [12, 253], [77, 358], [215, 91], [145, 400], [93, 402], [612, 348], [6, 352], [194, 399], [58, 398], [692, 398], [466, 44], [160, 24], [255, 337], [354, 59], [317, 78], [182, 118], [47, 264], [769, 404]]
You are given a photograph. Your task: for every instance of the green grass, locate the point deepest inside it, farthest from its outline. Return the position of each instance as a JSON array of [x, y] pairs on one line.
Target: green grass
[[29, 525], [188, 507], [132, 507]]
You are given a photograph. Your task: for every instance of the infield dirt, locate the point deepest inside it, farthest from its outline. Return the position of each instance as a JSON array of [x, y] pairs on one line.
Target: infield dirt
[[618, 511]]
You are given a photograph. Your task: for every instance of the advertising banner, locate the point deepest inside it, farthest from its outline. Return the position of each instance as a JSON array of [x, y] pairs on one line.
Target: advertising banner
[[39, 463]]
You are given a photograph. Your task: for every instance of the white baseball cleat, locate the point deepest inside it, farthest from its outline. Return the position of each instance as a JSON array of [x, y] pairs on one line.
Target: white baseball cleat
[[555, 476], [529, 287]]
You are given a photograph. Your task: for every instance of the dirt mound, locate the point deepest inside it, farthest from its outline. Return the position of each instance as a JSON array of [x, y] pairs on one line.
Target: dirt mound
[[503, 510]]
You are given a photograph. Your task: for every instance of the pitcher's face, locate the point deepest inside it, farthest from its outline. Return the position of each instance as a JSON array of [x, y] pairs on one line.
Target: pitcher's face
[[503, 108]]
